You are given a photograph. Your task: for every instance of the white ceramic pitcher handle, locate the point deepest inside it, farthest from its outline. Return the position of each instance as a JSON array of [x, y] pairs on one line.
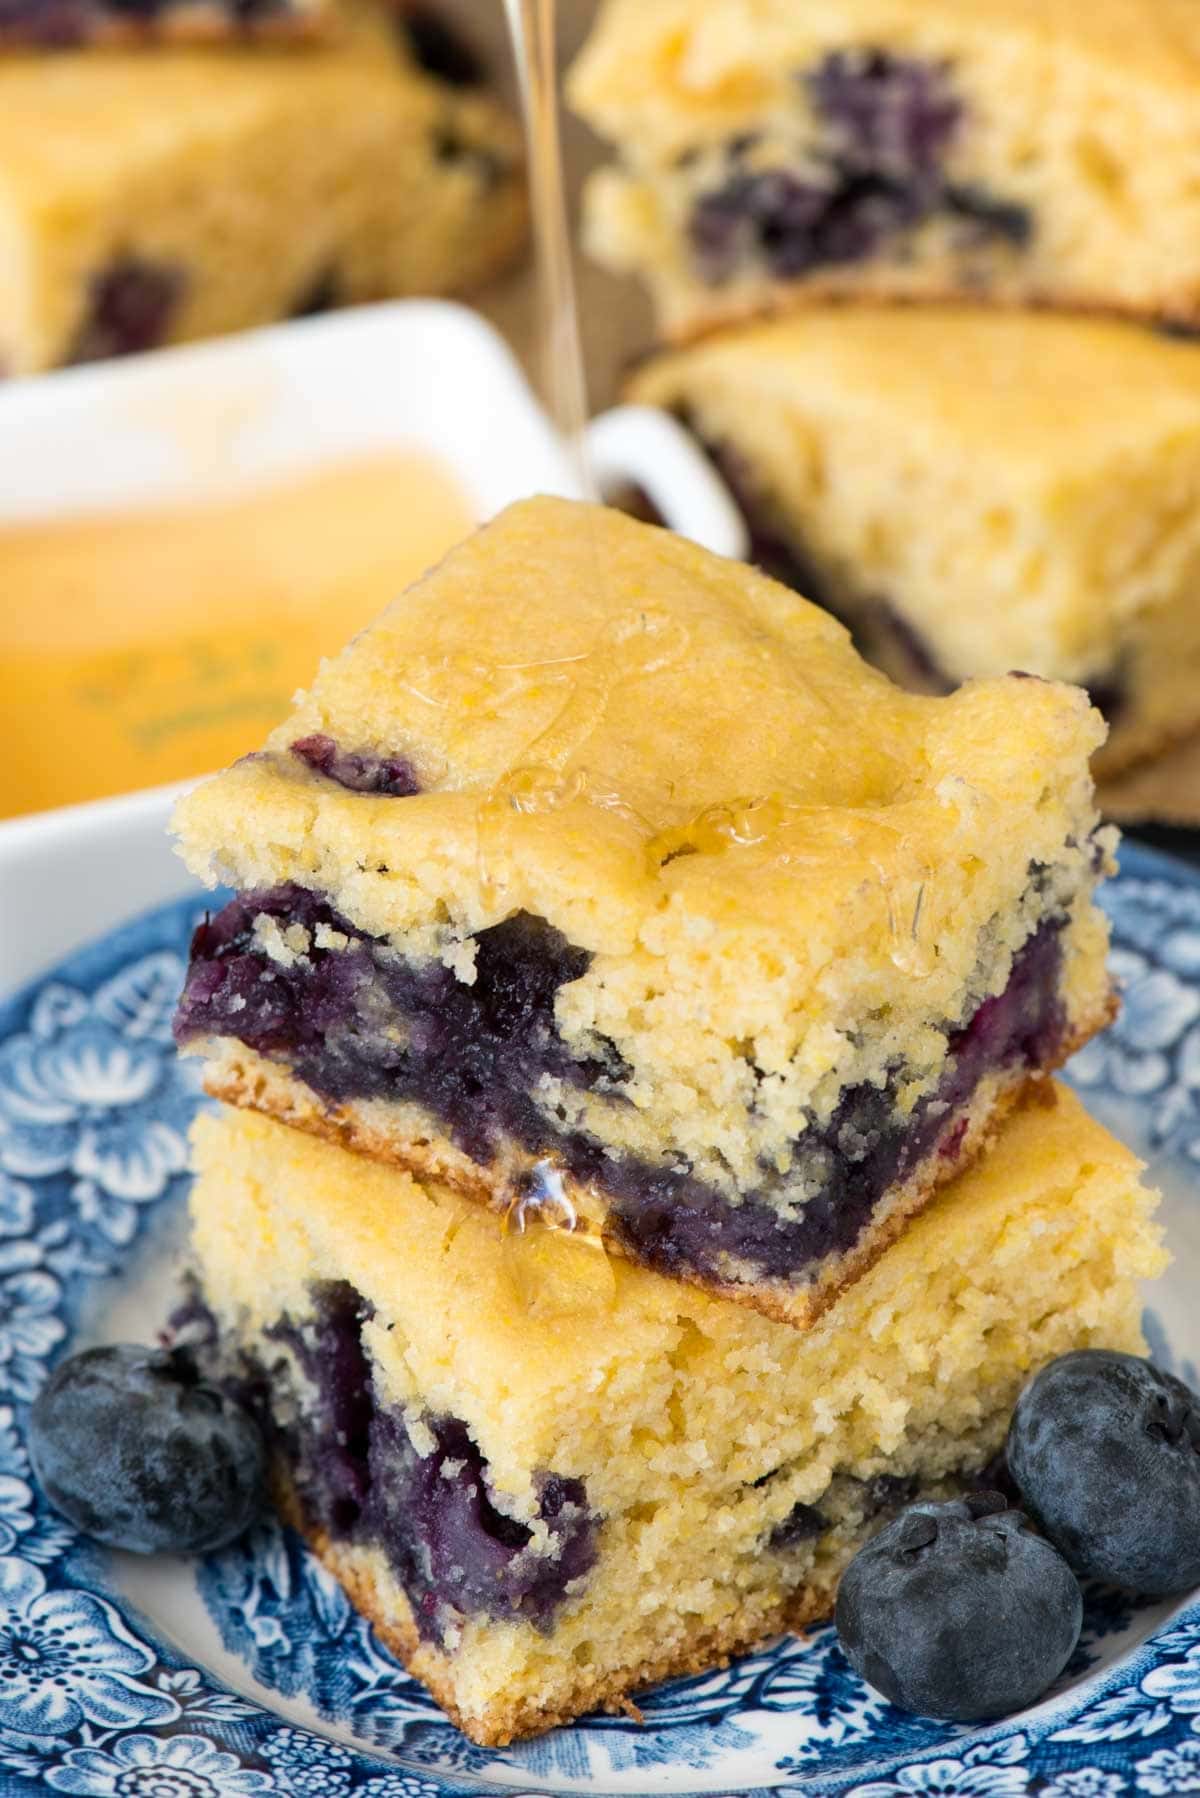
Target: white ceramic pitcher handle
[[642, 445]]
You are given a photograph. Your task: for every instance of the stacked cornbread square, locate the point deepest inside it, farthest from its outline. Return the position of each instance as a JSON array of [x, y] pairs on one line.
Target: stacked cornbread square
[[550, 1476], [155, 196], [601, 875], [973, 490], [892, 177], [689, 965]]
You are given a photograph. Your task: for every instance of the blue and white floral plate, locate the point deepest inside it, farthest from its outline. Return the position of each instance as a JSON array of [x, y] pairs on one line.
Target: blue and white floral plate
[[250, 1675]]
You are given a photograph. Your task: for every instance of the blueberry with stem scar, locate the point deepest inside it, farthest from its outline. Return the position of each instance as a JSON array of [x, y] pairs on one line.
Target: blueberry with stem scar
[[958, 1610]]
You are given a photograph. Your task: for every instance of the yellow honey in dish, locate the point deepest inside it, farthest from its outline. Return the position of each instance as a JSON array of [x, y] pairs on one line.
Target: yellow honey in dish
[[143, 647]]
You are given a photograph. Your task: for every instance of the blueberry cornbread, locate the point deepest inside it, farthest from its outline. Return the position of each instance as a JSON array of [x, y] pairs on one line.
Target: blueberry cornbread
[[70, 24], [943, 479], [602, 877], [551, 1477], [148, 200], [1019, 150]]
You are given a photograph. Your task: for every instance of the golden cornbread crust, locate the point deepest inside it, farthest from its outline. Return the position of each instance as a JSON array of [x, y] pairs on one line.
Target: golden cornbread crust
[[252, 1082], [392, 1619], [703, 322]]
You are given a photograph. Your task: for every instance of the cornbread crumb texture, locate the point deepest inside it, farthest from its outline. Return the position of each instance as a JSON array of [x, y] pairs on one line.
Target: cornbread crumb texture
[[681, 766], [155, 200], [697, 1428], [534, 1699], [1012, 149], [955, 469]]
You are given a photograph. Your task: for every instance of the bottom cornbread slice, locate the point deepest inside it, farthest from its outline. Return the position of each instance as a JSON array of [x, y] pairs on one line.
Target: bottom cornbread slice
[[550, 1477]]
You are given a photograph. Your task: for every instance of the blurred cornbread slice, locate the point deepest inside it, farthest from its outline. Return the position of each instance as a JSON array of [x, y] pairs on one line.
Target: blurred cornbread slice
[[550, 1477], [435, 39], [1015, 150], [601, 876], [973, 492], [148, 199], [71, 24]]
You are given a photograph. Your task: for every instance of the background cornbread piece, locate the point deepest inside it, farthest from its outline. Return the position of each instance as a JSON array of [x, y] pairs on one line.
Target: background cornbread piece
[[602, 873], [71, 24], [1017, 150], [590, 1477], [151, 199], [974, 492]]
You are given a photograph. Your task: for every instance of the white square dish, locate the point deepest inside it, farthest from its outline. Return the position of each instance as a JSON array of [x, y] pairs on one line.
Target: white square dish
[[424, 375], [224, 418]]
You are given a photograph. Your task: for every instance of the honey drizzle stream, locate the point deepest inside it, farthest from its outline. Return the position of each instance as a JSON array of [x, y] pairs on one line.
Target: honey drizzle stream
[[545, 1273], [532, 27]]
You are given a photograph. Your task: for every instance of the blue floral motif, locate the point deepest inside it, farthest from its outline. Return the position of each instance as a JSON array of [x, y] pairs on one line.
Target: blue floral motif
[[67, 1658], [1170, 1770], [78, 1093], [1151, 1054], [30, 1325], [40, 1535], [309, 1766], [1178, 1683], [16, 1207], [16, 1511], [442, 1746], [94, 1110], [402, 1785], [1116, 1718], [1084, 1782], [141, 1766], [993, 1770]]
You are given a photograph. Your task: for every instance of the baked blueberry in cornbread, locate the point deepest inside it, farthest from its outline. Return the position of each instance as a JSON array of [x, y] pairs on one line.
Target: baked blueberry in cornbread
[[550, 1477], [973, 491], [1014, 150], [601, 877], [149, 199]]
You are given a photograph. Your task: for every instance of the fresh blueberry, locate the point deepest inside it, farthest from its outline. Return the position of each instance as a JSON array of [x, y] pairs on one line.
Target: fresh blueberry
[[1105, 1450], [957, 1610], [135, 1448]]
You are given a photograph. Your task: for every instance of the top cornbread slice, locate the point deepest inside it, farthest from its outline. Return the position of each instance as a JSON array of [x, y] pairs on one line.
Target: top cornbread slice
[[705, 876], [1015, 149]]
